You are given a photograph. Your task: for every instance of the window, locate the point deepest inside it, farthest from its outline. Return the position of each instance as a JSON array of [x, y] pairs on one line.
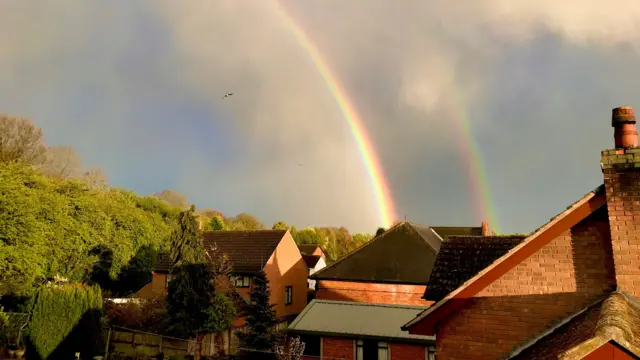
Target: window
[[311, 345], [169, 278], [288, 295], [372, 350], [243, 281], [430, 352]]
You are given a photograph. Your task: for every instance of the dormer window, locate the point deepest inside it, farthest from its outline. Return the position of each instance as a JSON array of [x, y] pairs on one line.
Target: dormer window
[[242, 281]]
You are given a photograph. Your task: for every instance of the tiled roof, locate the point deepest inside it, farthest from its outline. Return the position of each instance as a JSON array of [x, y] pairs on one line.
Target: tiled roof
[[462, 257], [616, 319], [357, 319], [311, 260], [248, 251], [401, 254]]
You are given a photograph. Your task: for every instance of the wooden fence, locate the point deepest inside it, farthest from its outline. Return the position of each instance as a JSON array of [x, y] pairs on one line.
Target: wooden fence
[[123, 342]]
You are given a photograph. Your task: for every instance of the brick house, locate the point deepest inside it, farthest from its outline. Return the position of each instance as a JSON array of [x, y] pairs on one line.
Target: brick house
[[567, 291], [274, 251], [312, 250], [315, 258], [383, 279]]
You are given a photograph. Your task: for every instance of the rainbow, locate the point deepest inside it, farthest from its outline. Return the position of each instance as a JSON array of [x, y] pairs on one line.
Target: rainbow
[[470, 154], [472, 160], [372, 165]]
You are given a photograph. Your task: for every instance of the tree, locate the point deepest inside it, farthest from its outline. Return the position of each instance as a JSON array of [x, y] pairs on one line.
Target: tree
[[290, 349], [261, 318], [280, 225], [185, 242], [244, 221], [62, 162], [20, 140], [217, 223], [173, 198], [95, 178], [306, 236]]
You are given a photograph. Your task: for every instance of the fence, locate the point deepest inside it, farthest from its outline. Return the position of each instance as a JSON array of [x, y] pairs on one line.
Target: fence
[[123, 342]]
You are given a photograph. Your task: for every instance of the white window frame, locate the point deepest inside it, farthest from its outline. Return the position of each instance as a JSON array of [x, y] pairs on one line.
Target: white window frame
[[244, 281], [430, 352], [169, 278]]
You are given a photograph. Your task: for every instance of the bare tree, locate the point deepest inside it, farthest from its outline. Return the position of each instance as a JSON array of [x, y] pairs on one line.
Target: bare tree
[[173, 198], [95, 178], [20, 140], [290, 349], [62, 162]]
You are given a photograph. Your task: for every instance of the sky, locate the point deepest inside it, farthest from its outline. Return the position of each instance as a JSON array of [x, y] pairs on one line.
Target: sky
[[136, 87]]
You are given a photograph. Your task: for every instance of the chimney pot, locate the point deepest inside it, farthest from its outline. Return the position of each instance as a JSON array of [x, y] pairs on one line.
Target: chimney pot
[[623, 121], [485, 229]]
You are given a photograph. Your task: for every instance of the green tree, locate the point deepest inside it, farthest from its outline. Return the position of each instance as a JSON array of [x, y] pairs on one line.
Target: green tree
[[261, 318], [306, 236], [217, 223], [185, 243], [280, 225], [244, 221]]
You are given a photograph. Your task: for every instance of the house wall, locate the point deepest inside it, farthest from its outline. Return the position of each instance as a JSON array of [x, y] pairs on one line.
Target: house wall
[[284, 268], [560, 279], [157, 287], [318, 251], [343, 348], [399, 351], [371, 292], [337, 348], [321, 264]]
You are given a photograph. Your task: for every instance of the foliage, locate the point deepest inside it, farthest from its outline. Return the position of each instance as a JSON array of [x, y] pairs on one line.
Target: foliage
[[380, 231], [185, 244], [280, 225], [244, 221], [307, 236], [144, 314], [290, 349], [220, 314], [4, 322], [65, 319], [217, 223], [261, 318], [137, 273], [20, 140], [53, 226]]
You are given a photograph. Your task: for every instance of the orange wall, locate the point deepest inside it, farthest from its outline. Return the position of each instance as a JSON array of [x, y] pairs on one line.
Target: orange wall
[[287, 268], [157, 287], [371, 292]]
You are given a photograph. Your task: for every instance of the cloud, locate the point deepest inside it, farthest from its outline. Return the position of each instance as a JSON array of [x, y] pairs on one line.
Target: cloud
[[138, 87]]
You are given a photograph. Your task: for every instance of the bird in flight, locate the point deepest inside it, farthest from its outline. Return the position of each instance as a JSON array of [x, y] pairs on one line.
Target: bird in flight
[[226, 95]]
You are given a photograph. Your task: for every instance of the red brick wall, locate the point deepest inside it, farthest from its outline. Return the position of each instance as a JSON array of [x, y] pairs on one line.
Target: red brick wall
[[623, 191], [371, 292], [337, 348], [406, 351], [561, 278]]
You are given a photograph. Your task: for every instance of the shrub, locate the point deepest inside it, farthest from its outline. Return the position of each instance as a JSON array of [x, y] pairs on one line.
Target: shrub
[[147, 315], [65, 319]]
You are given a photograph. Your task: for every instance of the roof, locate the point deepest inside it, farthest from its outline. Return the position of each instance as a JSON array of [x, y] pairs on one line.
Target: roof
[[248, 251], [404, 254], [343, 318], [462, 257], [308, 249], [539, 238], [311, 260], [446, 231], [616, 318]]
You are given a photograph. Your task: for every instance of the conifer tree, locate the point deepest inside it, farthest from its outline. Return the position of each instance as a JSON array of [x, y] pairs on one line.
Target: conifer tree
[[261, 318], [185, 242]]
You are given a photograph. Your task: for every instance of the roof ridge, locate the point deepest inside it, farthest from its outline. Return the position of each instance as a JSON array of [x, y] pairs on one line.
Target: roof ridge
[[354, 303], [375, 238]]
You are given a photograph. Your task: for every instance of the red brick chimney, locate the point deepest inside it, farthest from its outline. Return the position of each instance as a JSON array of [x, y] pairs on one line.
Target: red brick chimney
[[621, 169], [485, 229]]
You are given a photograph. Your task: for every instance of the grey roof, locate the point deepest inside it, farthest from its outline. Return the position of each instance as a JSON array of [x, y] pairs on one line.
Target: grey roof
[[343, 318], [404, 254]]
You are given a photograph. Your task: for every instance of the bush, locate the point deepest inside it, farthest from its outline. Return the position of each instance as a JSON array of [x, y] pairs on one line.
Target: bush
[[65, 319], [146, 314]]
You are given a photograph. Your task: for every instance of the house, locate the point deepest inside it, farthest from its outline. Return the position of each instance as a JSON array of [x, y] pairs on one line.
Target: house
[[567, 291], [314, 263], [361, 297], [273, 251], [312, 250]]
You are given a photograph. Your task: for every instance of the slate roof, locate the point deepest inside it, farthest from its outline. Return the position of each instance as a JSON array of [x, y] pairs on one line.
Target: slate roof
[[446, 231], [308, 249], [404, 254], [248, 251], [616, 319], [462, 257], [345, 318], [311, 260]]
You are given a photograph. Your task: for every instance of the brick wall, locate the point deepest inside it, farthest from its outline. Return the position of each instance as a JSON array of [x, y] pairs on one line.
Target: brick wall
[[371, 292], [157, 287], [406, 351], [622, 182], [337, 348], [561, 278]]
